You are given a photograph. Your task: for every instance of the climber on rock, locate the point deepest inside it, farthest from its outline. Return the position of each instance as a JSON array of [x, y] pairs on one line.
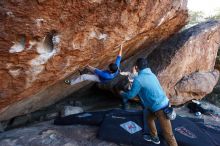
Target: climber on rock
[[101, 76]]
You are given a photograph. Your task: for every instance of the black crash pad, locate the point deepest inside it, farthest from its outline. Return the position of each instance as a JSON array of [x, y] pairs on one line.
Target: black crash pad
[[212, 131], [188, 132]]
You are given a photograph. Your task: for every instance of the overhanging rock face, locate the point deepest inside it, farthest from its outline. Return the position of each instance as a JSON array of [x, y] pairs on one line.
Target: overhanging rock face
[[43, 42], [185, 63]]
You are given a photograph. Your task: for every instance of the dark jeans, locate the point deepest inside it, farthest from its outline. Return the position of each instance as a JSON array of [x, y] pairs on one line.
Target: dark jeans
[[125, 103]]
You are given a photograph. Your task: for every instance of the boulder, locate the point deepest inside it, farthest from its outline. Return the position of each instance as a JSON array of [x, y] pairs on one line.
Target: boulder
[[196, 85], [44, 42], [70, 110], [213, 97], [181, 62]]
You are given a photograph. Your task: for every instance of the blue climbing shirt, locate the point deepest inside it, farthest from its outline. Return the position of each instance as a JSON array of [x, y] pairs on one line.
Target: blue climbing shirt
[[105, 75], [147, 86]]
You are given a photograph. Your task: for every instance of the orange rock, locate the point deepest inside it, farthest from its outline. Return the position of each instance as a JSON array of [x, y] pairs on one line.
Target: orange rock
[[87, 32], [191, 54]]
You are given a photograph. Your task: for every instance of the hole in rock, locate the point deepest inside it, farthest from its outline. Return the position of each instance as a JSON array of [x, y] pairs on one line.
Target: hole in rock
[[195, 94], [48, 43]]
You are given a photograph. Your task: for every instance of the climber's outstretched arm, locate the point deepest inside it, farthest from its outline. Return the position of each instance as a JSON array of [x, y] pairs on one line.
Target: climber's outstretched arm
[[120, 50]]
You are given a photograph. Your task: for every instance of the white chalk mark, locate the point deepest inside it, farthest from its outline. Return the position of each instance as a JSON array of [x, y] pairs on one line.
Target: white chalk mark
[[56, 39], [43, 57], [161, 21], [99, 36], [39, 22], [37, 64], [93, 34], [17, 47], [95, 1], [15, 72], [102, 36], [10, 14], [32, 74]]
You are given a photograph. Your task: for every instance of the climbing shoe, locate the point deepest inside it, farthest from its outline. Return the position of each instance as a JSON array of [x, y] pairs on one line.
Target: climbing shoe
[[67, 82], [150, 138]]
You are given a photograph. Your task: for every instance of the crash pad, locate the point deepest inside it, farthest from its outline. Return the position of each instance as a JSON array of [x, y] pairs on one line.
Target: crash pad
[[126, 127]]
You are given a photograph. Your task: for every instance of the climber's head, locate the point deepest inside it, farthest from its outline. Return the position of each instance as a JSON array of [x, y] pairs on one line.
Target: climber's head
[[141, 64], [113, 67]]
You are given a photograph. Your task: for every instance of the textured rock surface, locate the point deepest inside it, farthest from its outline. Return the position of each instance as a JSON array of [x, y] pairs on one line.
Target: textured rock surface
[[193, 50], [43, 42], [47, 134], [196, 85], [214, 97]]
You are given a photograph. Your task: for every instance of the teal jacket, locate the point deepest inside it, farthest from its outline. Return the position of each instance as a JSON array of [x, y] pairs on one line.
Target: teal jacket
[[147, 86]]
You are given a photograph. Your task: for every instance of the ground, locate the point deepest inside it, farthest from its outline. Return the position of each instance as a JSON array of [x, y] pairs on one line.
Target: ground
[[45, 133]]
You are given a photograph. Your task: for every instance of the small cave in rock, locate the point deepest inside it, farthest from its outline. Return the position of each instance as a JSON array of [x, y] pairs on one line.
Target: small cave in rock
[[48, 42]]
